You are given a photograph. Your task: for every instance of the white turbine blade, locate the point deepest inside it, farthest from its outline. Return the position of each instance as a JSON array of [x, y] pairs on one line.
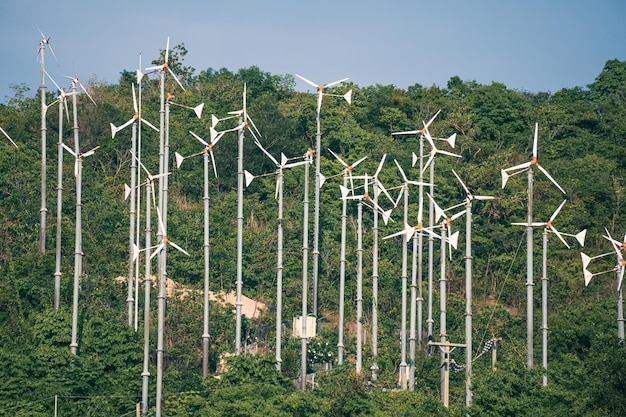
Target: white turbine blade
[[359, 161], [439, 213], [431, 120], [179, 159], [384, 190], [269, 155], [8, 137], [213, 133], [395, 204], [535, 140], [249, 177], [67, 148], [135, 107], [127, 191], [213, 162], [517, 167], [428, 162], [556, 212], [202, 141], [408, 230], [144, 121], [139, 76], [457, 215], [586, 259], [467, 192], [407, 132], [386, 216], [167, 49], [401, 170], [295, 164], [615, 243], [542, 169], [158, 249], [336, 82], [90, 152], [448, 153], [198, 110], [588, 275], [580, 237], [348, 97], [307, 81], [380, 166], [114, 129], [556, 232], [175, 78], [483, 197], [338, 158], [178, 247]]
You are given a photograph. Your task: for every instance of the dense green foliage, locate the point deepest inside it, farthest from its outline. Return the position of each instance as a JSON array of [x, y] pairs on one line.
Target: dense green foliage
[[582, 138]]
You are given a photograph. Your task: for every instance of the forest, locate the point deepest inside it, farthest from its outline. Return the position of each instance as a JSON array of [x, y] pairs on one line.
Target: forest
[[581, 143]]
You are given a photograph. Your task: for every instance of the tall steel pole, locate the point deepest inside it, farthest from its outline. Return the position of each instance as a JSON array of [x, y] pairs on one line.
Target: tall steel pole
[[443, 336], [279, 272], [78, 251], [468, 303], [529, 273], [43, 210], [431, 222], [239, 284], [130, 301], [342, 276], [305, 283], [544, 308], [57, 269], [359, 289], [145, 375], [206, 246], [403, 278], [374, 367], [316, 215]]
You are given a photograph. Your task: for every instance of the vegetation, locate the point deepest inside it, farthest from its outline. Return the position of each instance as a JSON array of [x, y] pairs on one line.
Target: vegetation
[[582, 142]]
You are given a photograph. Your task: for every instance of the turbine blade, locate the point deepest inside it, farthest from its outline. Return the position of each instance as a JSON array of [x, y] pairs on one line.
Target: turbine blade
[[258, 144], [380, 166], [8, 137], [135, 107], [359, 161], [467, 192], [448, 153], [307, 81], [117, 129], [401, 170], [432, 119], [428, 162], [535, 140], [556, 232], [542, 169], [178, 248], [338, 158], [517, 167], [158, 249], [213, 162], [556, 212], [67, 148], [336, 82], [144, 121], [406, 132], [439, 213], [175, 78]]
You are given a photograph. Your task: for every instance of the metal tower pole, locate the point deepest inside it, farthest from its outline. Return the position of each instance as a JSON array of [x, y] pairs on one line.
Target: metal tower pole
[[279, 273], [145, 375], [316, 215], [431, 222], [443, 336], [57, 269], [403, 278], [359, 289], [305, 284], [529, 273], [544, 309], [239, 284], [78, 251], [131, 244], [206, 246], [620, 313], [374, 367], [43, 210], [468, 303], [342, 276]]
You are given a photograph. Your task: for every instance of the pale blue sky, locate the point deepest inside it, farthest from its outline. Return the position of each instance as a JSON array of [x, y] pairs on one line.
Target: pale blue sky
[[531, 45]]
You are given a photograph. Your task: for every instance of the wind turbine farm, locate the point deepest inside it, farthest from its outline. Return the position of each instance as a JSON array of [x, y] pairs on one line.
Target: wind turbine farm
[[229, 234]]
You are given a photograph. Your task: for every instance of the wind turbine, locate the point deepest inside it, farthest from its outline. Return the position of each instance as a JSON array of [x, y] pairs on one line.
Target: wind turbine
[[62, 101], [407, 234], [347, 173], [619, 272], [280, 167], [318, 179], [469, 199], [506, 173], [133, 204], [43, 210], [162, 260]]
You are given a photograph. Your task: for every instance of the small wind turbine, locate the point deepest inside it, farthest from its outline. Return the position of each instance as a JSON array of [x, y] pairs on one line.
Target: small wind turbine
[[506, 173], [619, 272], [318, 179], [280, 167], [62, 101], [469, 198]]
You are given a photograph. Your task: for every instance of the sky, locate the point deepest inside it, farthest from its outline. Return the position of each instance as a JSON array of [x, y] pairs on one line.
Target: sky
[[531, 45]]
